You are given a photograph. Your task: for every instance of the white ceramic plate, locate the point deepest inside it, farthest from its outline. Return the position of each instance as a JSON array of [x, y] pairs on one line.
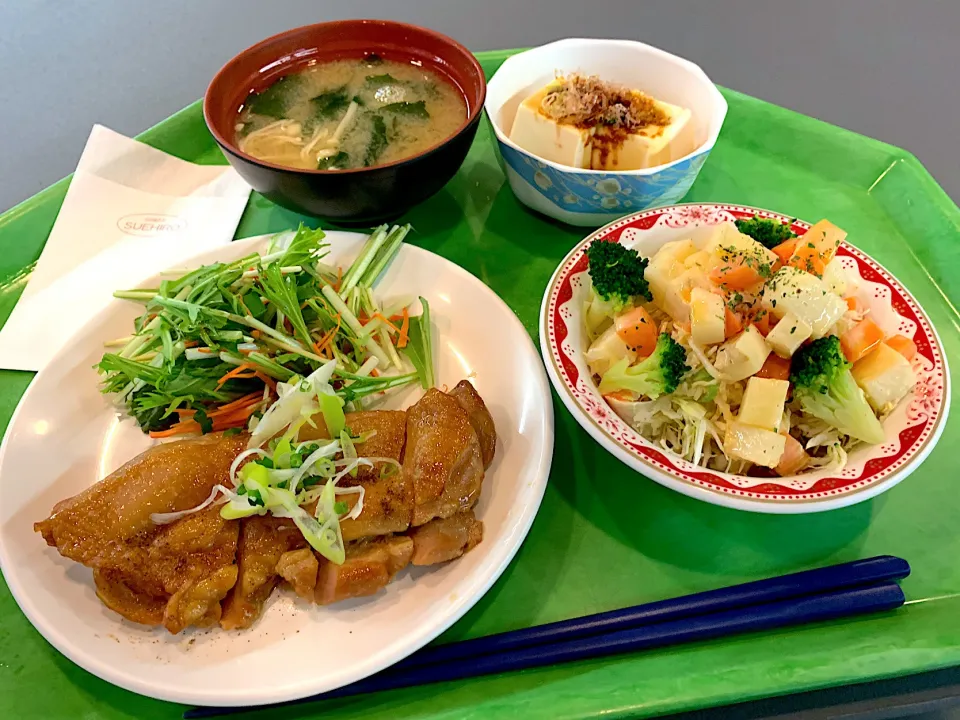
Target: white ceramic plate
[[911, 430], [64, 436]]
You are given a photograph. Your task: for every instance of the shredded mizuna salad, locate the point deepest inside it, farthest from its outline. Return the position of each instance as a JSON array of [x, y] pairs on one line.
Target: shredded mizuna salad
[[214, 346]]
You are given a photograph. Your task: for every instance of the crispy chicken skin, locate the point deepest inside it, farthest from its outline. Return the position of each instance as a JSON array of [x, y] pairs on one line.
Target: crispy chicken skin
[[480, 418], [299, 569], [94, 525], [368, 568], [445, 539], [441, 458], [175, 574], [263, 541]]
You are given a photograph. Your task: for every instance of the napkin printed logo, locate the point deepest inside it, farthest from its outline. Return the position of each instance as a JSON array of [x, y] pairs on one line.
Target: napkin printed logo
[[151, 225]]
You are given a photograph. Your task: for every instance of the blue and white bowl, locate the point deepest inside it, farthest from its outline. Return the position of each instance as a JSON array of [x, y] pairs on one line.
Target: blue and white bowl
[[591, 198]]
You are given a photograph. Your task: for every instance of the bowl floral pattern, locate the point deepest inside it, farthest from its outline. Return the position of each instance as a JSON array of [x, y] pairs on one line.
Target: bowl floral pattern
[[604, 193]]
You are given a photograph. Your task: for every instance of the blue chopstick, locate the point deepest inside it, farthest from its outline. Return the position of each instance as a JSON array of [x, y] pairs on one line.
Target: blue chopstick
[[808, 582], [785, 601]]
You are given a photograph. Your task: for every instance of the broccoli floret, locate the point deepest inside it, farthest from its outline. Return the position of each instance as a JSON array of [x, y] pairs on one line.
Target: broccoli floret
[[825, 387], [767, 232], [656, 375], [617, 273]]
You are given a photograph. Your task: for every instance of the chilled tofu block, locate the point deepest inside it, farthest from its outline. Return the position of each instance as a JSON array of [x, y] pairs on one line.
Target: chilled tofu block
[[743, 355], [762, 403], [885, 376], [651, 146], [706, 317], [754, 444], [788, 335], [607, 350], [806, 297], [542, 136], [590, 143]]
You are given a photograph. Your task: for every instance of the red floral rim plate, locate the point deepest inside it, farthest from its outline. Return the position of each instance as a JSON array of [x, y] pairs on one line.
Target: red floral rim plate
[[912, 429]]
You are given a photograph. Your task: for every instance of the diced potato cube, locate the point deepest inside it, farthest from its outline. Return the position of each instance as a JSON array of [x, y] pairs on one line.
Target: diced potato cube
[[726, 244], [805, 296], [762, 403], [754, 444], [835, 277], [743, 355], [885, 377], [706, 317], [788, 335], [699, 260], [663, 268], [607, 350]]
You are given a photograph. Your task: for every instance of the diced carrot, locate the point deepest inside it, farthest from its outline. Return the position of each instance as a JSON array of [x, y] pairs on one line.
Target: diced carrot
[[764, 322], [903, 345], [794, 457], [861, 339], [775, 368], [816, 247], [808, 258], [637, 329], [735, 276], [732, 324], [854, 304], [785, 249]]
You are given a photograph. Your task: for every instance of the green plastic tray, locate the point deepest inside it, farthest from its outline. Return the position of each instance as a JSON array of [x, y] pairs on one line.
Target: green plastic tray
[[605, 537]]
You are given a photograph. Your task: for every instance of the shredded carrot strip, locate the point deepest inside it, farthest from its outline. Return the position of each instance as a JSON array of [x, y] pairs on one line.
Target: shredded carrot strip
[[404, 337], [245, 370], [255, 334], [190, 344], [395, 317], [323, 342], [336, 285], [182, 427], [234, 414], [267, 380], [374, 373], [386, 322], [238, 403]]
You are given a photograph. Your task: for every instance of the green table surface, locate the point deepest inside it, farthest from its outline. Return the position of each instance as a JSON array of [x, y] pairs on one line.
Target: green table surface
[[606, 537]]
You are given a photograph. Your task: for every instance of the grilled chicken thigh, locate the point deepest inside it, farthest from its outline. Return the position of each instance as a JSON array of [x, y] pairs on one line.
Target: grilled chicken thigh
[[202, 570]]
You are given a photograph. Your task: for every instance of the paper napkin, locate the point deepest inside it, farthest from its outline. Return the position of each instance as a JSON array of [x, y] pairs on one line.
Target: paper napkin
[[131, 211]]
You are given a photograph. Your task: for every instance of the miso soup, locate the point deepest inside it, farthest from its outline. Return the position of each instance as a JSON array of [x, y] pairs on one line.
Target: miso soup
[[350, 114]]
